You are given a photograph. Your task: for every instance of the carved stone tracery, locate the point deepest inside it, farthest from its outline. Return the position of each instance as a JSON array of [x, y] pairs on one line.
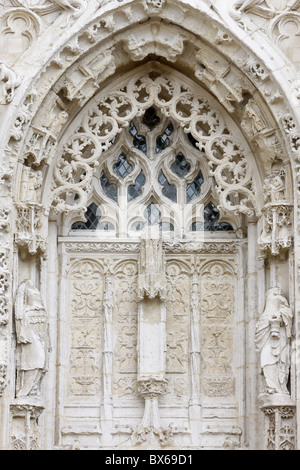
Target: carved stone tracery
[[79, 161]]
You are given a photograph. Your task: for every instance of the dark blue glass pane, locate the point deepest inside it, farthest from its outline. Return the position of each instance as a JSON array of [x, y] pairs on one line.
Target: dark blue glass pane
[[106, 226], [211, 217], [137, 226], [122, 168], [92, 217], [168, 190], [109, 189], [197, 227], [194, 189], [163, 141], [139, 141], [135, 190], [152, 214], [180, 167]]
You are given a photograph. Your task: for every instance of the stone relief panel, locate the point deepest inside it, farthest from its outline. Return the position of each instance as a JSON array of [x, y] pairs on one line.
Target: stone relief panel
[[125, 329], [86, 290], [178, 329], [217, 306]]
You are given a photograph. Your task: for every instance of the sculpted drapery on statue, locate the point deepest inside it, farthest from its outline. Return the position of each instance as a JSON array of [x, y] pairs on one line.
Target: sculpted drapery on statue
[[31, 332], [273, 336]]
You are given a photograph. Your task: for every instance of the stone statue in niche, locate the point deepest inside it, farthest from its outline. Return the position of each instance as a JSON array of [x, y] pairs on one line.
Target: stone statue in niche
[[273, 337], [276, 235], [275, 187], [31, 185], [32, 340]]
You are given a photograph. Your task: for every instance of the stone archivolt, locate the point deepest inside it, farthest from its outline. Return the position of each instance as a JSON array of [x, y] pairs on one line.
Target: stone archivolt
[[226, 86]]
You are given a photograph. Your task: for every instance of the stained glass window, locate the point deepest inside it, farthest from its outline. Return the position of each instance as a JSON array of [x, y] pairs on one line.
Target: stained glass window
[[168, 190], [211, 221], [163, 141], [180, 167], [109, 189], [139, 141], [135, 190], [92, 217], [193, 190], [122, 168]]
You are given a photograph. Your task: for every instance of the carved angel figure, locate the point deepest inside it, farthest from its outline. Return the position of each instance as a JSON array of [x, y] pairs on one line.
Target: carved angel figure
[[32, 344], [273, 335]]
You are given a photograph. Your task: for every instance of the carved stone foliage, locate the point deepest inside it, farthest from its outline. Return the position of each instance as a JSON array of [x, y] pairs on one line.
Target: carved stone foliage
[[217, 306], [178, 327], [86, 290], [101, 124]]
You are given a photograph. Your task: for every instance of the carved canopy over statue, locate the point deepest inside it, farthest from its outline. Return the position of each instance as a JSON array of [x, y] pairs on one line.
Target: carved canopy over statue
[[32, 339], [273, 336]]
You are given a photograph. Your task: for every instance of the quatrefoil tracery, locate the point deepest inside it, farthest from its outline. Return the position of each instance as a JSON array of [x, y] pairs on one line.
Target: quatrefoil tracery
[[147, 162]]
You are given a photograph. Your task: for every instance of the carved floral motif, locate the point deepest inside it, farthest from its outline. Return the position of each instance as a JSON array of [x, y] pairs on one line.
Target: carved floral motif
[[217, 306], [86, 301]]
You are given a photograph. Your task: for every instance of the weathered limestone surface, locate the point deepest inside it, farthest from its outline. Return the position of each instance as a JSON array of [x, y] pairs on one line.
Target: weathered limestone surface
[[149, 224]]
